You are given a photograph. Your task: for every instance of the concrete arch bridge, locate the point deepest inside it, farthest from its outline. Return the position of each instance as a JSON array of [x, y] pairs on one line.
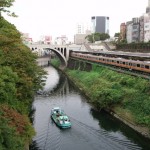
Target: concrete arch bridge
[[62, 51]]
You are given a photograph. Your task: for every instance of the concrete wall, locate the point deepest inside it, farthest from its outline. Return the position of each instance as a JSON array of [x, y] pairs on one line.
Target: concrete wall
[[74, 64]]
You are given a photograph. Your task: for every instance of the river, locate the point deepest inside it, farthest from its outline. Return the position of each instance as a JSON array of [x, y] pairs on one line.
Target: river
[[91, 130]]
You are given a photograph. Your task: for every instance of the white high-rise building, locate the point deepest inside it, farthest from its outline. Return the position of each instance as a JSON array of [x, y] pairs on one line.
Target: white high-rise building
[[81, 28], [129, 31]]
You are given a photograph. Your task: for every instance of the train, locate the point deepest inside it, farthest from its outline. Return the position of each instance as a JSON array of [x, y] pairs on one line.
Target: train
[[141, 66]]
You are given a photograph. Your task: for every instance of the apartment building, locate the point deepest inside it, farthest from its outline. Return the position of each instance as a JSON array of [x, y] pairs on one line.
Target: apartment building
[[129, 31], [135, 30], [122, 31], [147, 28]]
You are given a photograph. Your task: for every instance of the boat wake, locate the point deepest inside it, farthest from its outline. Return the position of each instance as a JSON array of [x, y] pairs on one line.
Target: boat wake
[[106, 137]]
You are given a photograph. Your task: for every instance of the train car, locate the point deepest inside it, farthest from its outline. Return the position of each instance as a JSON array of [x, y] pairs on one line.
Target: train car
[[119, 62]]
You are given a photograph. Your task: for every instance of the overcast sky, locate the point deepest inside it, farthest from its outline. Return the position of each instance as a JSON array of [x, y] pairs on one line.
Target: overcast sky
[[59, 17]]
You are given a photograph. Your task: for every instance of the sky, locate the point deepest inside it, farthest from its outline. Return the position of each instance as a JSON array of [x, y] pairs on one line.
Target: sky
[[60, 17]]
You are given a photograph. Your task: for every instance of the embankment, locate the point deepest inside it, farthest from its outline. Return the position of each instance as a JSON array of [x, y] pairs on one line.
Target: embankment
[[125, 97]]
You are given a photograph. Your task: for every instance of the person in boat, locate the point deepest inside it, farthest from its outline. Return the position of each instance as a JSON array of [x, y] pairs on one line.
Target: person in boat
[[57, 113]]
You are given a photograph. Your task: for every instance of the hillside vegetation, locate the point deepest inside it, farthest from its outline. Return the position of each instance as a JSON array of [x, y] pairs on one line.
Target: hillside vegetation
[[20, 78], [116, 91]]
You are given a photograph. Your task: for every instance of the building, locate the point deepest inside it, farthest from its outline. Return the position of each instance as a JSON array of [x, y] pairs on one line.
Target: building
[[129, 31], [138, 30], [100, 24], [81, 38], [122, 31], [26, 38], [62, 40], [148, 7], [141, 23], [147, 28], [80, 29], [135, 30], [45, 39]]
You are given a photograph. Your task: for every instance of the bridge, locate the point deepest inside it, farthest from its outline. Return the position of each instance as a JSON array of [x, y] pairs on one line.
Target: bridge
[[62, 51]]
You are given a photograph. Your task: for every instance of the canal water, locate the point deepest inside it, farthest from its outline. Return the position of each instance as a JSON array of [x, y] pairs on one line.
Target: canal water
[[91, 130]]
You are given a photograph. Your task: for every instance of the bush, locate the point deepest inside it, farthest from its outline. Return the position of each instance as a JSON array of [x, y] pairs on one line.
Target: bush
[[107, 88]]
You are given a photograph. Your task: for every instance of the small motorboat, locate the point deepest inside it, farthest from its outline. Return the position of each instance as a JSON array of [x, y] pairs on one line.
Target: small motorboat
[[60, 118]]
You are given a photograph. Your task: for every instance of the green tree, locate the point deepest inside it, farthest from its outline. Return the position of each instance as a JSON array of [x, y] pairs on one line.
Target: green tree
[[21, 60], [104, 36], [20, 78], [97, 37], [4, 5], [90, 38], [8, 82], [117, 35]]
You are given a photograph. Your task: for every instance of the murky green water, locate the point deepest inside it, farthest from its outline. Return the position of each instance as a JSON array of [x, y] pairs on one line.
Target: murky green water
[[91, 130]]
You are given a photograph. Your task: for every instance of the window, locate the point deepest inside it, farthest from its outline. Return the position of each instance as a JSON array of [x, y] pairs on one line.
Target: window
[[147, 67], [142, 66], [138, 65], [134, 65]]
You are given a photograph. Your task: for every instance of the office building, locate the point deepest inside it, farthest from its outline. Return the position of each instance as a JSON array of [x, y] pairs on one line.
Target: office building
[[100, 24]]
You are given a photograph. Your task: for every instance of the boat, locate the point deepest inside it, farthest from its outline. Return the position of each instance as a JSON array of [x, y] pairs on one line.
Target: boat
[[60, 118]]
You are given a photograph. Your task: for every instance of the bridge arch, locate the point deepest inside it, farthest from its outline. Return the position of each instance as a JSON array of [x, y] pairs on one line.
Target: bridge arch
[[61, 57]]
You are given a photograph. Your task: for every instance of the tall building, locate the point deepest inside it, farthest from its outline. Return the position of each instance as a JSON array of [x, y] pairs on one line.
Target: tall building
[[80, 28], [148, 7], [122, 31], [129, 25], [100, 24], [141, 23], [147, 28], [135, 30]]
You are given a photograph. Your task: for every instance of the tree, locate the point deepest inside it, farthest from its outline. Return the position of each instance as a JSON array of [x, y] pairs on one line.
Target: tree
[[117, 35], [21, 60], [90, 38], [4, 4], [97, 37], [104, 36]]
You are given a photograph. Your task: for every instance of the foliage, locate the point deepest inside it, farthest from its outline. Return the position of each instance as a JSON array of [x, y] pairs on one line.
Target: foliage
[[4, 4], [117, 35], [15, 129], [97, 37], [20, 78], [22, 61], [55, 62], [107, 88], [104, 36], [7, 85], [133, 46], [90, 38]]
